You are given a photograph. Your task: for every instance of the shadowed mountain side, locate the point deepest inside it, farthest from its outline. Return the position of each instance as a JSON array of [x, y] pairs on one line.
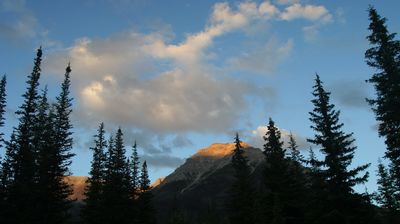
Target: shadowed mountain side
[[78, 185], [203, 181]]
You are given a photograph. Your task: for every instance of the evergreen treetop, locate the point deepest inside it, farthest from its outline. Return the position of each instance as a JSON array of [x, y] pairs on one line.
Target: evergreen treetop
[[342, 204], [337, 146], [135, 169], [241, 193], [3, 96]]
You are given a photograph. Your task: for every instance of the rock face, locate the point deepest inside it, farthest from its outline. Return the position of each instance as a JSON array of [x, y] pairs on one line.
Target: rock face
[[203, 181], [78, 185]]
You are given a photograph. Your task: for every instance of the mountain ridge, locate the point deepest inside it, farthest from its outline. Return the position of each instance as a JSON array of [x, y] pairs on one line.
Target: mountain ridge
[[203, 180]]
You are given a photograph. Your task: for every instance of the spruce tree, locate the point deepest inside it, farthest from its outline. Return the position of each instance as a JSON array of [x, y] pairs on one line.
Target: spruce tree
[[2, 110], [384, 57], [297, 192], [3, 102], [52, 143], [386, 194], [134, 164], [316, 190], [44, 148], [22, 191], [145, 205], [64, 141], [94, 207], [294, 153], [116, 189], [241, 194], [134, 172], [338, 149], [7, 178], [276, 176]]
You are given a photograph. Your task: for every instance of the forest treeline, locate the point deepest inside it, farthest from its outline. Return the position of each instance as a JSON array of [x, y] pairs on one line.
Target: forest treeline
[[320, 191], [38, 155]]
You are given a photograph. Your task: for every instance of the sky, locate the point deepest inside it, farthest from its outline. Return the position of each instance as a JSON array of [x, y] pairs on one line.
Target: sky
[[179, 75]]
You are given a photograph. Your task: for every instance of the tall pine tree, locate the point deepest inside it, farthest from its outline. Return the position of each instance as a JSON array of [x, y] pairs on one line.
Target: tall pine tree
[[145, 205], [44, 148], [241, 193], [135, 171], [117, 183], [384, 57], [2, 110], [3, 102], [22, 191], [297, 192], [64, 141], [7, 177], [276, 176], [94, 207], [53, 143], [316, 190], [338, 149], [386, 194]]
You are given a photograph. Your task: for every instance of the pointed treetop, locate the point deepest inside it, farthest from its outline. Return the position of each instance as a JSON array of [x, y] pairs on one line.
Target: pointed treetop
[[68, 69], [39, 51], [237, 140]]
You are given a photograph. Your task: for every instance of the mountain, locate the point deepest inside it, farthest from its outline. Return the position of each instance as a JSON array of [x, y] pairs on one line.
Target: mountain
[[196, 188], [202, 183], [78, 185]]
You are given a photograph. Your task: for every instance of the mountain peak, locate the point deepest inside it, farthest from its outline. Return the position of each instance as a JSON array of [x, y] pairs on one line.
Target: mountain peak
[[218, 150]]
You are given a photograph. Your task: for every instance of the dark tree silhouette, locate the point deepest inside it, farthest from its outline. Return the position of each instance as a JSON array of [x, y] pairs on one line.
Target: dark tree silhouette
[[3, 189], [135, 171], [145, 206], [276, 176], [241, 193], [7, 177], [53, 145], [386, 196], [316, 191], [93, 210], [384, 57], [297, 192], [3, 102], [22, 191], [338, 149], [117, 186], [44, 149]]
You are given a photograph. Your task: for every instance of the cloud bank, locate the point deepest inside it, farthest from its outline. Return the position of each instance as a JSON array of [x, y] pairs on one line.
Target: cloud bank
[[149, 83]]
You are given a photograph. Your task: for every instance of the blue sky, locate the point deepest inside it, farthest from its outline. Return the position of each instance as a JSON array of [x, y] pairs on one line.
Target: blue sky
[[180, 75]]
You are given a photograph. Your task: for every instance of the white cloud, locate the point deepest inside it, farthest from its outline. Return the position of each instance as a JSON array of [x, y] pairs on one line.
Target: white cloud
[[109, 87], [309, 12], [183, 94], [23, 26], [268, 9], [223, 20], [172, 101], [318, 14], [145, 81], [287, 2], [264, 59]]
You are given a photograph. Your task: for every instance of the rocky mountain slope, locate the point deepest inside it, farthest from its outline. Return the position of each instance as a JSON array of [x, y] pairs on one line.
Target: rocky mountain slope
[[202, 182]]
